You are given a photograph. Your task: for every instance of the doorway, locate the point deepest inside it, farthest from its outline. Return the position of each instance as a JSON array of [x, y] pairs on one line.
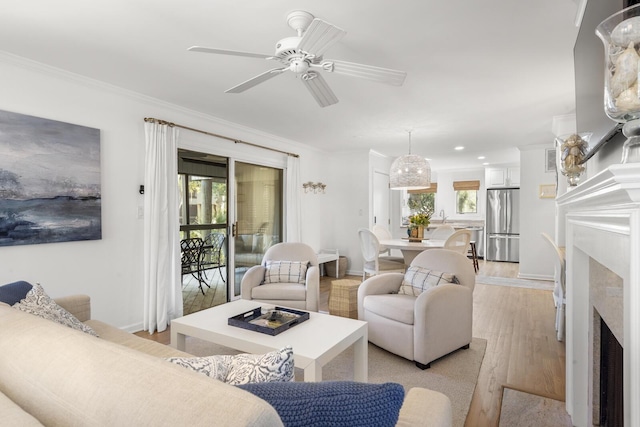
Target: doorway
[[202, 181]]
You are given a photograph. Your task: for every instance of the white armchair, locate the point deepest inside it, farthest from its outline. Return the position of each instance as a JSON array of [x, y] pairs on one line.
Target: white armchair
[[280, 287], [426, 327]]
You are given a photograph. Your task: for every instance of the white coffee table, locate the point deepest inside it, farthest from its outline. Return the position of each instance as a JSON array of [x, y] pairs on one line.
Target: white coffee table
[[315, 342]]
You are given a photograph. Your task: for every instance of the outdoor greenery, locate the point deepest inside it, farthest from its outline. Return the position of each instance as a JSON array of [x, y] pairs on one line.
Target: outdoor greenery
[[422, 202], [466, 201]]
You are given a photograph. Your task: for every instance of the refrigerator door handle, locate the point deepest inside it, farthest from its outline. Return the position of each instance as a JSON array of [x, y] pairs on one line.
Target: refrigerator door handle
[[507, 227]]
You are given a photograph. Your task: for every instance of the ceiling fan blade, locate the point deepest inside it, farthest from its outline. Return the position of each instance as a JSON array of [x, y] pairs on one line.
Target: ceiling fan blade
[[227, 52], [319, 37], [369, 72], [320, 90], [256, 80]]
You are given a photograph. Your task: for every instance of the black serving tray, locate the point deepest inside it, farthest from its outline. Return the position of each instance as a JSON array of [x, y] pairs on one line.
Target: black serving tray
[[272, 322]]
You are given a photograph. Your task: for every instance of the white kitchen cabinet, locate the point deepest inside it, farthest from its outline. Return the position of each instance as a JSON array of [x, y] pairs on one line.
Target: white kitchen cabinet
[[502, 177]]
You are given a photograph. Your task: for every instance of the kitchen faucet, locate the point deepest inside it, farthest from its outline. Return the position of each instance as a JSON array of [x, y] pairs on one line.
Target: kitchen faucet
[[442, 215]]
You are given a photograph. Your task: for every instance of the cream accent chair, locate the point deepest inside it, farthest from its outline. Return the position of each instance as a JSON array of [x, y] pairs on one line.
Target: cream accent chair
[[373, 262], [426, 327], [442, 232], [460, 241], [303, 296], [383, 233]]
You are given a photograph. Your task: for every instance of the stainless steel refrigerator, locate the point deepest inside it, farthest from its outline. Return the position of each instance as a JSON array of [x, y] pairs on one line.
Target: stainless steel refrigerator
[[503, 224]]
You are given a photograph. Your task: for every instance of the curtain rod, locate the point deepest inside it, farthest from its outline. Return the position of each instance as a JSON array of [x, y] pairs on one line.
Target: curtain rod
[[237, 141]]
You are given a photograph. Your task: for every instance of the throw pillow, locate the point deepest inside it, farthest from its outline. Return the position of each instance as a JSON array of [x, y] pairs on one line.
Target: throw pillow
[[275, 366], [286, 271], [38, 303], [418, 279], [332, 403], [12, 293], [212, 366]]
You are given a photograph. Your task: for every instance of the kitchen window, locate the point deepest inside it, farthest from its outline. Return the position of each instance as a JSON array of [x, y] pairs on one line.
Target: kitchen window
[[418, 201], [466, 196]]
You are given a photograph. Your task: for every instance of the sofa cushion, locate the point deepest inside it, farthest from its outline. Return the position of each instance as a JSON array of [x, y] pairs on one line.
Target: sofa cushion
[[66, 378], [275, 366], [38, 303], [13, 415], [334, 403], [419, 279], [285, 272], [111, 333]]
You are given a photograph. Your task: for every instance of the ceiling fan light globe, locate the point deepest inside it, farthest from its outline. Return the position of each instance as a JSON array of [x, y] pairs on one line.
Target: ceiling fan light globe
[[299, 66]]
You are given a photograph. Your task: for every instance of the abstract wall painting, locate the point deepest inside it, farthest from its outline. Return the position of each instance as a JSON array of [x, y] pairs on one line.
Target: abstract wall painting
[[49, 181]]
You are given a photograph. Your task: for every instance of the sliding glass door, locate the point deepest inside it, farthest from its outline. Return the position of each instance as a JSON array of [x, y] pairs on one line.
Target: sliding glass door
[[258, 202], [202, 180]]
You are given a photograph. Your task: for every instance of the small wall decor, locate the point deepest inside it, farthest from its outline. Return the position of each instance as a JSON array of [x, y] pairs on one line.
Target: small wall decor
[[550, 156], [547, 191], [315, 187], [49, 181], [573, 151]]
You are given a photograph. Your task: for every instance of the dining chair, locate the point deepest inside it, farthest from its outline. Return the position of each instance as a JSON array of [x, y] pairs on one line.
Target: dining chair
[[559, 292], [383, 233], [442, 232], [373, 262], [459, 242]]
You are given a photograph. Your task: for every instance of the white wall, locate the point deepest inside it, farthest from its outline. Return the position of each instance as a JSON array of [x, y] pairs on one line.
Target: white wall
[[536, 215], [349, 206], [110, 270]]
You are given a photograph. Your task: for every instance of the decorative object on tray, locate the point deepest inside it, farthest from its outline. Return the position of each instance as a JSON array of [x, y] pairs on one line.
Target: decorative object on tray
[[271, 322], [573, 152], [417, 223], [620, 34]]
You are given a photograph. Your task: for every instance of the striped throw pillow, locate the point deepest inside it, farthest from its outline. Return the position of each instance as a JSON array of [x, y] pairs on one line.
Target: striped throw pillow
[[286, 272], [418, 279]]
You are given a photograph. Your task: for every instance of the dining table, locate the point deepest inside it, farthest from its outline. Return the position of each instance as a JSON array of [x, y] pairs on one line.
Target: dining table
[[411, 249]]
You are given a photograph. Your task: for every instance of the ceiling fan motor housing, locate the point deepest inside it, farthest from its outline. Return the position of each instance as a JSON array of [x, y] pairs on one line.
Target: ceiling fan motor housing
[[287, 47]]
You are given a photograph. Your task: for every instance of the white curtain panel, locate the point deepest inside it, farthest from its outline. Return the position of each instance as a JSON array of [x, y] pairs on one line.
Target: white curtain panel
[[162, 286], [293, 199]]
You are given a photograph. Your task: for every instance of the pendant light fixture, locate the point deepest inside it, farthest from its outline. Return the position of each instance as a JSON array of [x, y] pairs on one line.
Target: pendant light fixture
[[410, 172]]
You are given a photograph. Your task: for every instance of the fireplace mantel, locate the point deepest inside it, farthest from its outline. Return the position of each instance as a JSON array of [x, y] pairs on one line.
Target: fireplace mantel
[[602, 217]]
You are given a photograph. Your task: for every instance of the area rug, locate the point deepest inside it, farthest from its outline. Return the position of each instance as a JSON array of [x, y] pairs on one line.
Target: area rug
[[454, 375], [521, 409], [519, 283]]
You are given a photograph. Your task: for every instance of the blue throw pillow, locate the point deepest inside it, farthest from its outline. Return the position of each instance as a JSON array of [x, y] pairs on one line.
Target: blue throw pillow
[[15, 292], [332, 403]]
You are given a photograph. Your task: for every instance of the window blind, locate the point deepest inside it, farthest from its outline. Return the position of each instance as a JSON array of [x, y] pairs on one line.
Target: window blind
[[466, 185], [432, 189]]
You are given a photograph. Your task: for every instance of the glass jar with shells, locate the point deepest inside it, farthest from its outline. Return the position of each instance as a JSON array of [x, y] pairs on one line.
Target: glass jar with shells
[[620, 34]]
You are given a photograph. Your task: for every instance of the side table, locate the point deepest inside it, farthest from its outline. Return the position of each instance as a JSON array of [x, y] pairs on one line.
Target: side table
[[343, 298]]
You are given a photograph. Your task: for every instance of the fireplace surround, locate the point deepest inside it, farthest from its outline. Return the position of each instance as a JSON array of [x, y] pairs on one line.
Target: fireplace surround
[[602, 236]]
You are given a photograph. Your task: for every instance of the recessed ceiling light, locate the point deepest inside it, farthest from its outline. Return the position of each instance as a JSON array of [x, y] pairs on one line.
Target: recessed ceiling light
[[485, 164], [481, 157], [459, 148]]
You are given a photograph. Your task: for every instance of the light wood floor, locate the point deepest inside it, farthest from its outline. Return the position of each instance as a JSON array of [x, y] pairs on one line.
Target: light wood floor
[[522, 351]]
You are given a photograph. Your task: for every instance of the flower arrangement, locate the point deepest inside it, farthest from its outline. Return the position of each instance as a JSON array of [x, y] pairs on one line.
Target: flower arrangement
[[420, 219]]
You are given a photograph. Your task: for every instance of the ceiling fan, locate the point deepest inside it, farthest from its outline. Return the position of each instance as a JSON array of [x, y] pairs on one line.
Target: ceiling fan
[[302, 55]]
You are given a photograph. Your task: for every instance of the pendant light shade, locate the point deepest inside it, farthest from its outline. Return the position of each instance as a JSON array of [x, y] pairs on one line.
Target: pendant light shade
[[410, 172]]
